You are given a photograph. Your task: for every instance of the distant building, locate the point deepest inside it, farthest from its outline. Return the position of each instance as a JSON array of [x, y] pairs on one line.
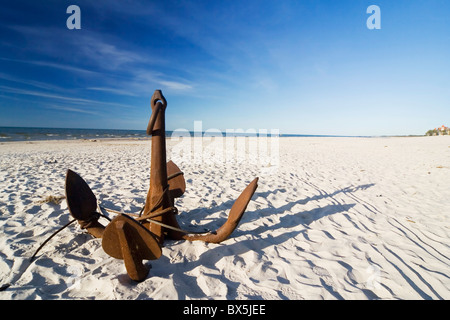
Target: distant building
[[443, 130]]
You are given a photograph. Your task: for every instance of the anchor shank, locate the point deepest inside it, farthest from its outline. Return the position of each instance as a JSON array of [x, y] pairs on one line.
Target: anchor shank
[[158, 170], [158, 198]]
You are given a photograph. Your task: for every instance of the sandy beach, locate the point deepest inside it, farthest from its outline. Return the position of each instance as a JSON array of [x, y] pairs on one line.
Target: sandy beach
[[332, 218]]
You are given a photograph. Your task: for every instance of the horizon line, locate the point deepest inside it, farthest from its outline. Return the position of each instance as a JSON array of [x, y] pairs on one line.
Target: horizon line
[[234, 133]]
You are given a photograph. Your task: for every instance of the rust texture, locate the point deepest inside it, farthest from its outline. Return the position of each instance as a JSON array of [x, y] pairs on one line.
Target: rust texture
[[125, 238], [82, 204]]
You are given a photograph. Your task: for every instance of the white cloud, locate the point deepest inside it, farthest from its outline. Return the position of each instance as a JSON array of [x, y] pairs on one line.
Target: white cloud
[[142, 83], [110, 62], [37, 84], [178, 86], [84, 48], [67, 99], [71, 109], [106, 55], [54, 65], [122, 92]]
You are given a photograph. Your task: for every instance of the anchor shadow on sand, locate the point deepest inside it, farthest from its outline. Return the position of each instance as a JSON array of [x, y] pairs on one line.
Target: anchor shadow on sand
[[303, 217], [179, 270]]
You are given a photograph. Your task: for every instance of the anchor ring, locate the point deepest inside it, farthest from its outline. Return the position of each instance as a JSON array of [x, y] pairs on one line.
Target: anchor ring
[[158, 96]]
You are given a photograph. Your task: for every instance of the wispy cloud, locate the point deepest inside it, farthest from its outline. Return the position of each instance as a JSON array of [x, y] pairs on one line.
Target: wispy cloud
[[67, 99], [71, 109], [60, 66], [118, 66], [116, 91], [178, 86], [97, 50], [139, 83], [36, 84], [43, 94], [106, 55]]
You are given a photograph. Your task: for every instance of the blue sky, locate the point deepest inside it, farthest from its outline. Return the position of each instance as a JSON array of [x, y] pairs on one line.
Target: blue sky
[[303, 67]]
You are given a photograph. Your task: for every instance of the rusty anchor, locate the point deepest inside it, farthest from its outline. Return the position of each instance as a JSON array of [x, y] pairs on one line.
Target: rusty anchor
[[138, 237]]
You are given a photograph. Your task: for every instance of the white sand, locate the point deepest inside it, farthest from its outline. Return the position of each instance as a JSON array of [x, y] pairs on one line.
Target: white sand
[[336, 218]]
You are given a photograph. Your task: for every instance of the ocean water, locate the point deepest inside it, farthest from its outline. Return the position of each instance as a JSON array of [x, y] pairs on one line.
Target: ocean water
[[34, 134]]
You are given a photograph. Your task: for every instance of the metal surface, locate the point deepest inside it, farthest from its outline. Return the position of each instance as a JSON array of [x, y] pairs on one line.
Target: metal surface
[[235, 215], [82, 204], [175, 177], [158, 197], [125, 238]]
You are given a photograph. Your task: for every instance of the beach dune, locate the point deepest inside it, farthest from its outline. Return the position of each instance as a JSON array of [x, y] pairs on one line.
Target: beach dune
[[332, 218]]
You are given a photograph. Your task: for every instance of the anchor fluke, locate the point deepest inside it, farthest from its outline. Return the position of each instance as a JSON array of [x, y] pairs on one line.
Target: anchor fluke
[[82, 204], [177, 184], [125, 238], [235, 215]]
